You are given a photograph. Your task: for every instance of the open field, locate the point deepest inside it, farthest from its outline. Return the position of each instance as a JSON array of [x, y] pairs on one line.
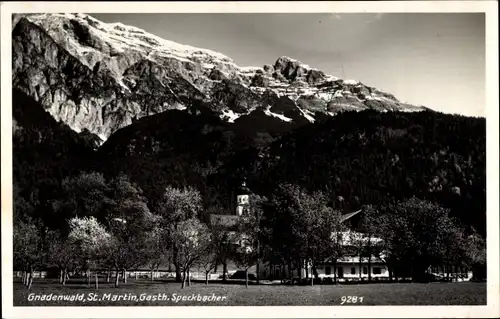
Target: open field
[[468, 293]]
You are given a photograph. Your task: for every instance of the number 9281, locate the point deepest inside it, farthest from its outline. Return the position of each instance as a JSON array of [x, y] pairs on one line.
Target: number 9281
[[351, 300]]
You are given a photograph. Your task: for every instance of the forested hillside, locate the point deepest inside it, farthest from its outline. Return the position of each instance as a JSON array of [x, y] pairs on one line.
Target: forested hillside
[[373, 158], [44, 153], [356, 157]]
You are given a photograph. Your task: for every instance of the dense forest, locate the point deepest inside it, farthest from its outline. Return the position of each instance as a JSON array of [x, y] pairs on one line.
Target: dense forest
[[357, 158], [375, 158]]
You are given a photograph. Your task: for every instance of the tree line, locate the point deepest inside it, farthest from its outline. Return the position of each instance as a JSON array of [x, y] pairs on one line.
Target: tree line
[[110, 225]]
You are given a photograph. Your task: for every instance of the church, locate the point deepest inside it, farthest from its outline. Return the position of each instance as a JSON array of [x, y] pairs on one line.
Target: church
[[349, 267]]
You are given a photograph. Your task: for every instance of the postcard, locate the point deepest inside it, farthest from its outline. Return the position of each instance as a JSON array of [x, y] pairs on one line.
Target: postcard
[[250, 159]]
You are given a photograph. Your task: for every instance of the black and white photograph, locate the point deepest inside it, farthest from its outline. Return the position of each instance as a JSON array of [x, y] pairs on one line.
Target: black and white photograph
[[196, 159]]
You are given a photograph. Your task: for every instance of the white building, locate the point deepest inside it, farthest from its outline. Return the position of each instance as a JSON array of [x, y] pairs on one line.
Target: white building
[[349, 267]]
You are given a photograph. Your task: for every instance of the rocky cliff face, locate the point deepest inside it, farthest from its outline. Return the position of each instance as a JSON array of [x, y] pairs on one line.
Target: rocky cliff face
[[99, 77]]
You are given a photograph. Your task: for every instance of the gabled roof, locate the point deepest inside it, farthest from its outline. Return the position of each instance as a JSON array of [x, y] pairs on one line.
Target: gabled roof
[[349, 238], [224, 220], [356, 259], [348, 216]]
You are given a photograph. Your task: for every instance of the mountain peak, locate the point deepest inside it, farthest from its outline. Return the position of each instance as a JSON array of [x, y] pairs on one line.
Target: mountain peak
[[118, 73], [285, 58], [284, 61]]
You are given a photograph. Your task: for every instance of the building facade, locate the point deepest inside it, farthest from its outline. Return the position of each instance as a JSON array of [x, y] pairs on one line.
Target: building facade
[[347, 268], [350, 267]]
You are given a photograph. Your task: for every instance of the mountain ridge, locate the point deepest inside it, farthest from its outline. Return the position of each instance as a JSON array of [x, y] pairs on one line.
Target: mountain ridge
[[118, 73]]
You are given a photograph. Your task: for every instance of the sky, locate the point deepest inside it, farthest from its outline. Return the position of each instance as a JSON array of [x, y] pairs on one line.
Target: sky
[[431, 59]]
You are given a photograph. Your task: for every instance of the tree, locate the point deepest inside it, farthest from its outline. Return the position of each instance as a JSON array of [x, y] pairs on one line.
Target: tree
[[223, 246], [190, 239], [23, 208], [304, 227], [84, 195], [126, 249], [252, 225], [475, 257], [278, 244], [180, 204], [91, 241], [28, 249], [391, 253], [317, 227], [369, 226], [177, 206], [452, 244], [62, 254], [156, 250], [131, 224], [284, 227], [208, 258], [419, 233], [245, 254]]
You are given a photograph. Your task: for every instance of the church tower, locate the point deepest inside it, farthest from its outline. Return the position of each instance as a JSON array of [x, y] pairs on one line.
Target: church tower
[[242, 199]]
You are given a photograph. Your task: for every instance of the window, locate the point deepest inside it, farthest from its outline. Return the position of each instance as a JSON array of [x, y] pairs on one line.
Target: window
[[328, 271], [353, 271], [365, 270], [377, 270]]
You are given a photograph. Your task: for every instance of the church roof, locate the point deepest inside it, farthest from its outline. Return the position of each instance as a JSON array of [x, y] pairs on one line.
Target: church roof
[[225, 221]]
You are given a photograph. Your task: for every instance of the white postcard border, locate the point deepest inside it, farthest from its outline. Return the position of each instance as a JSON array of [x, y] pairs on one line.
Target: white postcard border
[[490, 8]]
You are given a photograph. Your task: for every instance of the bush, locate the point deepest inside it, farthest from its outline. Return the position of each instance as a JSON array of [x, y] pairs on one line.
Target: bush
[[240, 274]]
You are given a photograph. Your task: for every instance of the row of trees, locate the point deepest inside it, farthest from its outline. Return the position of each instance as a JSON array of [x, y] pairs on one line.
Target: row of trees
[[111, 227], [409, 235]]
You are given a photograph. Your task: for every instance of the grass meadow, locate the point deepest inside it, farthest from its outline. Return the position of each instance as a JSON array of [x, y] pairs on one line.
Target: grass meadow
[[169, 293]]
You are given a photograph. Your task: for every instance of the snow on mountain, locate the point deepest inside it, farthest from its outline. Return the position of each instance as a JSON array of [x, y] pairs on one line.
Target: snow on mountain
[[100, 76], [92, 40], [280, 116], [307, 114], [229, 115]]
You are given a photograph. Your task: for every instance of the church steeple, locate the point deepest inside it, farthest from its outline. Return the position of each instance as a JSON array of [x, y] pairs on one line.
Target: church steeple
[[242, 198], [243, 189]]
